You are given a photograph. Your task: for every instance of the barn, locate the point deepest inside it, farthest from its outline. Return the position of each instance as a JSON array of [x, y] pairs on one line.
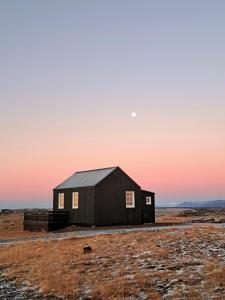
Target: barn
[[104, 197]]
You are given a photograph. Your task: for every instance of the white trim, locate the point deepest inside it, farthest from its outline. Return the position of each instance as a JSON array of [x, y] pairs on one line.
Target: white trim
[[61, 201], [75, 200], [148, 200], [130, 199]]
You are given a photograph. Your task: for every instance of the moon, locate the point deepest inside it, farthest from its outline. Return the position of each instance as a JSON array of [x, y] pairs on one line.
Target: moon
[[133, 114]]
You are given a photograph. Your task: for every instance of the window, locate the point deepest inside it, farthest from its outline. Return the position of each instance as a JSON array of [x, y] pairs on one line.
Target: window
[[61, 200], [148, 200], [75, 200], [130, 201]]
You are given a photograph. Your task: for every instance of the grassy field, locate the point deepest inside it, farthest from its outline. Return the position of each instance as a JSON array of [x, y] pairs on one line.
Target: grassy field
[[181, 263], [169, 264], [11, 226]]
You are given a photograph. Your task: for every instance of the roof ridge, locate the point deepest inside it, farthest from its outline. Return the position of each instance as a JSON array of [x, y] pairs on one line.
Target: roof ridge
[[97, 169]]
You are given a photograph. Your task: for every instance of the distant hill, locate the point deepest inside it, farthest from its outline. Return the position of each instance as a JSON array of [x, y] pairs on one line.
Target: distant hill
[[203, 204]]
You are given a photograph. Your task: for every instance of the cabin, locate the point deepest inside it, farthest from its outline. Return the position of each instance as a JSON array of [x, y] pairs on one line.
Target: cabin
[[101, 197], [104, 197]]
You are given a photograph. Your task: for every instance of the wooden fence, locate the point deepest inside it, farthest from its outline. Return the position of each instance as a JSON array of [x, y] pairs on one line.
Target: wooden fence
[[45, 221]]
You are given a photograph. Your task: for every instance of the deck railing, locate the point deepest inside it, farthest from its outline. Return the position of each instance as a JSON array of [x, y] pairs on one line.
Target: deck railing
[[36, 217], [58, 217], [50, 220]]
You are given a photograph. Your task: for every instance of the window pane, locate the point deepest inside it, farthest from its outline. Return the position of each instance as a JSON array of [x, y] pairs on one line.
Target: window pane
[[75, 200], [148, 200], [61, 200], [130, 199]]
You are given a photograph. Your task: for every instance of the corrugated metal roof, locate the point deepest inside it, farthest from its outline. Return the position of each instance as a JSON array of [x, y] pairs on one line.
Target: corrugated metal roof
[[85, 178]]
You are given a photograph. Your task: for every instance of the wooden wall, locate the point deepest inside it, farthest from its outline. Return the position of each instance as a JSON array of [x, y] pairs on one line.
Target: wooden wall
[[148, 211], [84, 215], [110, 208]]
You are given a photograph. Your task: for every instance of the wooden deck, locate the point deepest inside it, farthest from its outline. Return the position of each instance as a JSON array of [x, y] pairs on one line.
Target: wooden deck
[[45, 221]]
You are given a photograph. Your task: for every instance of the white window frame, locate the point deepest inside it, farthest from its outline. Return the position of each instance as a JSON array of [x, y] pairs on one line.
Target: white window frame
[[61, 198], [130, 199], [148, 200], [75, 200]]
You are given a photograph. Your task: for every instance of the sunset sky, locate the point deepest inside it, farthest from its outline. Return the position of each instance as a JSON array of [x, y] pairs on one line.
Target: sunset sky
[[71, 74]]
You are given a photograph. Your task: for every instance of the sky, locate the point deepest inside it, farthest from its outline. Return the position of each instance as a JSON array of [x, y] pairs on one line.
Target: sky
[[71, 74]]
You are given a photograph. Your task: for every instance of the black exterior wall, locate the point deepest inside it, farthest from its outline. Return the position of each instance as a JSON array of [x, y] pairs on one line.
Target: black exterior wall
[[110, 201], [147, 211], [85, 214]]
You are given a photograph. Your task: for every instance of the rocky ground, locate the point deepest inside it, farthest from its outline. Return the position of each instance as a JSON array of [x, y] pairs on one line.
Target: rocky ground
[[187, 215], [204, 215], [11, 290], [190, 259]]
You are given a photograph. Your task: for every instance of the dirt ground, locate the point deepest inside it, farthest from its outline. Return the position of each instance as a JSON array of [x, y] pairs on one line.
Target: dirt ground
[[180, 263]]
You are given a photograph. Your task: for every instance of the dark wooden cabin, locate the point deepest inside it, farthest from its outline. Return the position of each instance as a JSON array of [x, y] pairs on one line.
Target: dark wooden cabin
[[104, 197], [101, 197]]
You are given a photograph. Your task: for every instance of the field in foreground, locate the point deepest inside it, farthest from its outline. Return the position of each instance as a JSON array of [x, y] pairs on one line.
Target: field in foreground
[[182, 263]]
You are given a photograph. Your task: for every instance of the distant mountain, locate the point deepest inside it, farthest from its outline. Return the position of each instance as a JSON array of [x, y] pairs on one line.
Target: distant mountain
[[203, 204]]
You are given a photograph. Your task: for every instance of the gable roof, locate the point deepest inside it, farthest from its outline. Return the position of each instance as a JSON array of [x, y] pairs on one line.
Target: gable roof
[[85, 178]]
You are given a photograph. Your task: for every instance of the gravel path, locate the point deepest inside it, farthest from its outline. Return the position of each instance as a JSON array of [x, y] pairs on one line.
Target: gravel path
[[94, 232], [88, 233]]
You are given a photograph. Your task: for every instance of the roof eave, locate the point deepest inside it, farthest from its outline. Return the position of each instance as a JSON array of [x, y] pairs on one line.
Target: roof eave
[[147, 191], [77, 187]]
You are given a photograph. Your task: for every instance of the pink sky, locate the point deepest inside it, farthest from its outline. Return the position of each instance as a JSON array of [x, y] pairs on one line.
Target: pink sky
[[71, 75], [177, 166]]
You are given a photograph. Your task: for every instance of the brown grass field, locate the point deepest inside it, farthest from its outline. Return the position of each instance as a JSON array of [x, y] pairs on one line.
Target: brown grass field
[[11, 226], [183, 263], [169, 264]]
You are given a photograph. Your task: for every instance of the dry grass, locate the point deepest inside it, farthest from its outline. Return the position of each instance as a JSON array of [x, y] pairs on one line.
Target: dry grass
[[171, 216], [11, 226], [183, 215], [170, 264]]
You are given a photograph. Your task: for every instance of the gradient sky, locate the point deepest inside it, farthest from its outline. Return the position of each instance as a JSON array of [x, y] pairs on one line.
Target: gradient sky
[[71, 74]]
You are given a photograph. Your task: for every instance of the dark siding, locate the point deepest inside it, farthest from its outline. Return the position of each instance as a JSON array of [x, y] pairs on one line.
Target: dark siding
[[110, 208], [148, 211], [84, 215]]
